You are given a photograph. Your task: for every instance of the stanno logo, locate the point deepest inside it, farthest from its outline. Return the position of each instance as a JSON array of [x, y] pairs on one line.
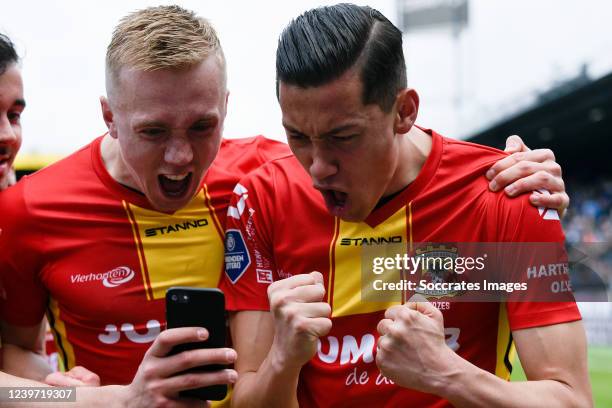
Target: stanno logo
[[371, 240], [110, 279], [168, 229]]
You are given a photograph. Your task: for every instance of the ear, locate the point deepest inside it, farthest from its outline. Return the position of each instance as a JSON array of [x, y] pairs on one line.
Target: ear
[[407, 105], [107, 115]]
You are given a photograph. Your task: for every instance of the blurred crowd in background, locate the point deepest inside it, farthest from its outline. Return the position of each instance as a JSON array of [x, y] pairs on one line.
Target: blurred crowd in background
[[588, 228]]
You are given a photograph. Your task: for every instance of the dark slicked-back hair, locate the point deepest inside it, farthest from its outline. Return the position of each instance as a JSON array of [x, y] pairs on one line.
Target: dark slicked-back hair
[[8, 55], [322, 44]]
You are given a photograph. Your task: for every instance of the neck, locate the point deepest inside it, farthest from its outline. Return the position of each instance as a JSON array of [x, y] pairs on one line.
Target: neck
[[111, 157], [414, 148]]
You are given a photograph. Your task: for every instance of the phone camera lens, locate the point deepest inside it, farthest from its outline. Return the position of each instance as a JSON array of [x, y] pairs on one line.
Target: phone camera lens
[[174, 298]]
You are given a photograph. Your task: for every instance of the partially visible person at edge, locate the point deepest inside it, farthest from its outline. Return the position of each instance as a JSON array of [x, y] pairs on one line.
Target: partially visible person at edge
[[361, 172], [12, 105]]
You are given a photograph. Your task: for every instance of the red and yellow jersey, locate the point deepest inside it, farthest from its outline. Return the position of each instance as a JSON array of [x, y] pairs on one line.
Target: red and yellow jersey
[[97, 259], [278, 226]]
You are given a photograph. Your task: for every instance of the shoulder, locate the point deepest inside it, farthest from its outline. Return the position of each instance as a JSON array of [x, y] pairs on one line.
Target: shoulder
[[54, 180], [284, 173], [460, 169], [468, 155], [64, 173], [239, 157], [517, 219], [460, 164], [250, 152], [461, 178]]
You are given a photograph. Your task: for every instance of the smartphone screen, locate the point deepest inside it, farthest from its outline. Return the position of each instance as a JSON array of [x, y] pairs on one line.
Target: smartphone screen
[[199, 307]]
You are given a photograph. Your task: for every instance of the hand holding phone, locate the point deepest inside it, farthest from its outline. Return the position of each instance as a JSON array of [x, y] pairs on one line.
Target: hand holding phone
[[199, 307], [161, 377]]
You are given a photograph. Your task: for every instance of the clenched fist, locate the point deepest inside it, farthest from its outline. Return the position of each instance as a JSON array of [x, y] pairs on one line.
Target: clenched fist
[[412, 350], [300, 318]]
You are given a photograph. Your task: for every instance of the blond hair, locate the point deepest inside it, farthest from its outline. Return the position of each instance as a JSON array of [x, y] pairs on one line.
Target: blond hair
[[161, 37]]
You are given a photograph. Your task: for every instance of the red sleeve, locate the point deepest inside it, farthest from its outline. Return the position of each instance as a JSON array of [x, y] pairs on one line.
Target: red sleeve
[[244, 155], [249, 264], [537, 257], [271, 149], [237, 158], [24, 297]]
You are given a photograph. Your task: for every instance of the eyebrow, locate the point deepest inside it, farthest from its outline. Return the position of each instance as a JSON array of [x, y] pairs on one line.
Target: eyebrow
[[212, 118], [332, 132], [340, 129], [291, 129], [207, 118], [153, 123]]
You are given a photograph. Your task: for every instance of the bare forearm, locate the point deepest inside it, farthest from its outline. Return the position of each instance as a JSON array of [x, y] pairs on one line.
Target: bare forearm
[[24, 363], [271, 386], [471, 386], [111, 396], [94, 397]]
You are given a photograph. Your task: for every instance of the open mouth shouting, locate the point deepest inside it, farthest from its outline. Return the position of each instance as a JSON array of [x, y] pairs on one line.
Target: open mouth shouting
[[175, 185], [335, 200]]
